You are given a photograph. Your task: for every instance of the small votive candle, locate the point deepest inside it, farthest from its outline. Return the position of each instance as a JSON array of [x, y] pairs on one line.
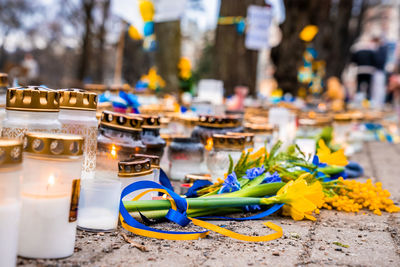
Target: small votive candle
[[10, 178], [135, 170], [50, 194], [99, 204], [155, 164]]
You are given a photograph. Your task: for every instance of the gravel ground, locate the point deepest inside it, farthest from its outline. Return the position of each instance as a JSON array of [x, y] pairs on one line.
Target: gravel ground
[[368, 240]]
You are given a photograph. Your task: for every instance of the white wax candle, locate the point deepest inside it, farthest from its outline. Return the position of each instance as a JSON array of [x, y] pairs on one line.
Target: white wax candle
[[307, 146], [9, 218], [97, 219], [128, 180], [45, 230]]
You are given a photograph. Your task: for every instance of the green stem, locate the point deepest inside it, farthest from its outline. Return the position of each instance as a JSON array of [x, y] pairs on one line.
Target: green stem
[[194, 203]]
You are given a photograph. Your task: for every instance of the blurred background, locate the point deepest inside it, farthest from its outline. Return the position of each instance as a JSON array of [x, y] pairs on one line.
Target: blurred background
[[303, 43]]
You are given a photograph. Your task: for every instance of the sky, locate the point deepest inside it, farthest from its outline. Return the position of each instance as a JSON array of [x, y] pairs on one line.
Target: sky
[[205, 19]]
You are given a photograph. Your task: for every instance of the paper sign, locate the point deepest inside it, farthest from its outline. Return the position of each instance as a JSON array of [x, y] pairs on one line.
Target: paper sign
[[258, 22], [128, 10], [167, 10]]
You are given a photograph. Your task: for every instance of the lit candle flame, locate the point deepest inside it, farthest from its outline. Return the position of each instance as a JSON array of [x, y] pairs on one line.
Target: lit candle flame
[[51, 181], [113, 151], [209, 144]]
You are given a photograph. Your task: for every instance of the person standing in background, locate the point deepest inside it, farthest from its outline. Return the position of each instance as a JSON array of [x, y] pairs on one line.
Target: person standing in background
[[363, 55], [379, 77]]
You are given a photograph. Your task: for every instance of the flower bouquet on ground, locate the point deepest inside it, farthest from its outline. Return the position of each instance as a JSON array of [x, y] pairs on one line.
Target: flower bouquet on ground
[[265, 181]]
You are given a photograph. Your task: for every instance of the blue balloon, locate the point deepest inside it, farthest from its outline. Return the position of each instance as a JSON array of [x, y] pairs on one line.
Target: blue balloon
[[148, 28]]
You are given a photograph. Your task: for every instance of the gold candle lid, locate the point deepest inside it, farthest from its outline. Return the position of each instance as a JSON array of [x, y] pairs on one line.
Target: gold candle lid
[[150, 121], [53, 144], [155, 160], [221, 141], [342, 117], [219, 121], [4, 80], [260, 128], [33, 98], [77, 99], [134, 168], [94, 87], [10, 151], [249, 137], [120, 121], [191, 178]]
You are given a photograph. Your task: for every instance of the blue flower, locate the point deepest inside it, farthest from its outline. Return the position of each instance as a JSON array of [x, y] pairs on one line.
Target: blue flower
[[316, 162], [231, 184], [254, 172], [274, 178]]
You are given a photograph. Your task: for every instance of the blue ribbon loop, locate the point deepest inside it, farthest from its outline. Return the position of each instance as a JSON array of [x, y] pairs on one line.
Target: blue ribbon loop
[[180, 202]]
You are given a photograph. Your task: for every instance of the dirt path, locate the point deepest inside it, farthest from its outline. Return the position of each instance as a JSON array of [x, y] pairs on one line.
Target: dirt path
[[372, 240]]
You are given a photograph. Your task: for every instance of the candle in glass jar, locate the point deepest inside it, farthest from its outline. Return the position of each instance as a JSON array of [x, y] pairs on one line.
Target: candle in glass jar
[[135, 170], [50, 192], [10, 177]]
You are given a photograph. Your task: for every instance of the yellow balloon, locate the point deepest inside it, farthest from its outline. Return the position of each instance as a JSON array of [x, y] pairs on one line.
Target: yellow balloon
[[308, 33], [134, 33], [146, 8]]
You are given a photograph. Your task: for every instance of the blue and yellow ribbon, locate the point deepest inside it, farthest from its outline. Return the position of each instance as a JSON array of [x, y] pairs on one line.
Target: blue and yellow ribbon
[[178, 214]]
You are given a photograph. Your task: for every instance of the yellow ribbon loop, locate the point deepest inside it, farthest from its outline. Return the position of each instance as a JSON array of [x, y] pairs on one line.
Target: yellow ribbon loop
[[231, 234], [206, 225]]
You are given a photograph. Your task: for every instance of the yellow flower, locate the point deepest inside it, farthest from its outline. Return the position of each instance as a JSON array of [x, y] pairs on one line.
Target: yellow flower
[[300, 198], [326, 156], [184, 67], [154, 80]]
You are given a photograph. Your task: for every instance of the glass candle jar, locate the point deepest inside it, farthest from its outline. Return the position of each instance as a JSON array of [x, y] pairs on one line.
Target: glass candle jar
[[342, 128], [3, 91], [151, 135], [223, 147], [249, 139], [99, 204], [264, 135], [119, 137], [210, 125], [135, 170], [50, 194], [78, 116], [31, 108], [155, 164], [186, 155], [308, 146], [10, 178]]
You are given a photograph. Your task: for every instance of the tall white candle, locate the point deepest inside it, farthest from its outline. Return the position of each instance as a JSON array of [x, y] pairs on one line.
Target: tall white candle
[[9, 218], [45, 221]]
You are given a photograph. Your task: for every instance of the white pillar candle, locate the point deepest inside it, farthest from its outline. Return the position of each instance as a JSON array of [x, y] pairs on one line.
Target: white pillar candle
[[50, 192], [10, 207], [307, 146], [9, 219], [45, 221]]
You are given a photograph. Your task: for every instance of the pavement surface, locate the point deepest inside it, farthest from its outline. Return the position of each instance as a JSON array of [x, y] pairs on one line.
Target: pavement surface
[[370, 240]]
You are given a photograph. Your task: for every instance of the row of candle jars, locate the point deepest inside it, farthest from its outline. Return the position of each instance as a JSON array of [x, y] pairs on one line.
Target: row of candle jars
[[44, 210], [41, 109]]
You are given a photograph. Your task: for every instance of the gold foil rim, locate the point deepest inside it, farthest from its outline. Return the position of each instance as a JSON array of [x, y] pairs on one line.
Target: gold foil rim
[[10, 151], [77, 99], [191, 178], [53, 144], [155, 160], [260, 128], [121, 121], [221, 141], [249, 137], [219, 121], [4, 80], [95, 87], [33, 98], [150, 121], [134, 167]]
